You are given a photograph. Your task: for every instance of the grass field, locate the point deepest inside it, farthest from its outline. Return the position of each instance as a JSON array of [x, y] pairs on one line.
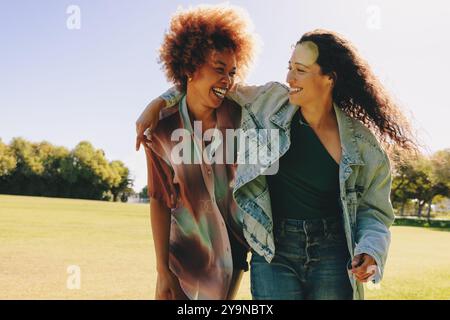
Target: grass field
[[112, 245]]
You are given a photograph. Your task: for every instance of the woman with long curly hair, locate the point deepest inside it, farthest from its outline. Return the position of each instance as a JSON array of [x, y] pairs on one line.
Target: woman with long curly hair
[[319, 227], [200, 249]]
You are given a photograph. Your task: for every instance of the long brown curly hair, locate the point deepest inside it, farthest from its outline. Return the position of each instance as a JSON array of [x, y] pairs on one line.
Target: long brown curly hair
[[358, 92], [193, 33]]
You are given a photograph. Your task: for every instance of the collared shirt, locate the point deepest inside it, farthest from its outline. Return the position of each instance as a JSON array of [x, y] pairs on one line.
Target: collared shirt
[[203, 212]]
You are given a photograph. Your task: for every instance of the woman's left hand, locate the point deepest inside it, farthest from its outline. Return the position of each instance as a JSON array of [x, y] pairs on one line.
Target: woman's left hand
[[360, 263]]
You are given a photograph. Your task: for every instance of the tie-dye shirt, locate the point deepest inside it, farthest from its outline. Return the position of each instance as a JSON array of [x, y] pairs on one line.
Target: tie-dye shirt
[[203, 211]]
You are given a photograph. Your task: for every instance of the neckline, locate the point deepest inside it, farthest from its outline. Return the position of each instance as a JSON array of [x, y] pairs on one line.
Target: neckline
[[314, 136], [301, 118]]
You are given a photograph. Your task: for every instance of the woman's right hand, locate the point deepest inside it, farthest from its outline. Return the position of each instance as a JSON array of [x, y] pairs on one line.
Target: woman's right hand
[[168, 287], [148, 120]]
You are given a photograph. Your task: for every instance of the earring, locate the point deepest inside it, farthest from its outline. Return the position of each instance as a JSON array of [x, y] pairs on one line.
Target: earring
[[189, 79]]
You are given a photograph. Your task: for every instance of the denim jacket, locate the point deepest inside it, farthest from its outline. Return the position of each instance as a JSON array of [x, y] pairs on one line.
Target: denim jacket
[[364, 176]]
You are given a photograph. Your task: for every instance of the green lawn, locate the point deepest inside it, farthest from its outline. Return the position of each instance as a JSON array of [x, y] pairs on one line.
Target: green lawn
[[112, 244]]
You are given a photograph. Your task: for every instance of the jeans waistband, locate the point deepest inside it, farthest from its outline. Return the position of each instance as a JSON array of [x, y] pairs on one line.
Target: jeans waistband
[[323, 225]]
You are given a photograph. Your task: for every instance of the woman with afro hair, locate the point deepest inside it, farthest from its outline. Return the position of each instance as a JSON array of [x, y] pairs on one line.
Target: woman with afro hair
[[200, 249]]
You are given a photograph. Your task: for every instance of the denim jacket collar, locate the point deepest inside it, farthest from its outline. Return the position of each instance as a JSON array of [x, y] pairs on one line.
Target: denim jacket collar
[[351, 154], [282, 115]]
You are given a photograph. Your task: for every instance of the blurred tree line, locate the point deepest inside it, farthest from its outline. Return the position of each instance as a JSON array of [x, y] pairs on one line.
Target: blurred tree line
[[144, 193], [42, 169], [420, 181]]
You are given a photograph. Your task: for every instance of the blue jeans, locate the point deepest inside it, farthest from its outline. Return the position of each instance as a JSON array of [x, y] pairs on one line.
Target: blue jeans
[[310, 263]]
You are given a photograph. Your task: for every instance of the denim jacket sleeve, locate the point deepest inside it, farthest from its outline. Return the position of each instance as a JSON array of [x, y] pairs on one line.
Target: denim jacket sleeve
[[240, 93], [244, 94], [171, 97], [374, 217]]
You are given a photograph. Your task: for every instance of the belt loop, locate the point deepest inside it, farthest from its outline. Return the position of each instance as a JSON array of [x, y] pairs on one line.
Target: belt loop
[[283, 226]]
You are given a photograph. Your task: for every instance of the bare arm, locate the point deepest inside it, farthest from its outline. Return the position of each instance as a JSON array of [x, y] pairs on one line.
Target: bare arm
[[148, 120], [241, 94]]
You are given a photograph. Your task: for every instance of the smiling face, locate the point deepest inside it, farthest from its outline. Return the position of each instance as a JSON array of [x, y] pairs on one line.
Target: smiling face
[[210, 82], [306, 81]]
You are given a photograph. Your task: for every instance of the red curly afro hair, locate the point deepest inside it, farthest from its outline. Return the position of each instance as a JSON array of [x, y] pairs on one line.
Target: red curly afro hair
[[195, 32]]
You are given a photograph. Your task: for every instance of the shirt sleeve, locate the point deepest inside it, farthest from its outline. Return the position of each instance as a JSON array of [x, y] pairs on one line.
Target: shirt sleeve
[[160, 179], [240, 93]]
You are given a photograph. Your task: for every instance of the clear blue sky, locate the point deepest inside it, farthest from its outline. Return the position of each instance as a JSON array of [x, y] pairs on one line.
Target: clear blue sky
[[65, 86]]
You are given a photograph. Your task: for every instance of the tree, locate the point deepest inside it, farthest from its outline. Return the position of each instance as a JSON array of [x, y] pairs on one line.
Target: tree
[[422, 178], [440, 163], [403, 185], [144, 193], [122, 189], [43, 169], [53, 177], [440, 175], [26, 178], [8, 160]]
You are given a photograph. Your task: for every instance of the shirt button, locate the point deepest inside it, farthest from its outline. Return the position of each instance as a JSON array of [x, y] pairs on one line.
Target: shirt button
[[209, 171]]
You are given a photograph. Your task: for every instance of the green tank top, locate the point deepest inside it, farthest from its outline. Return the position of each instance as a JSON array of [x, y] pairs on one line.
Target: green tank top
[[307, 183]]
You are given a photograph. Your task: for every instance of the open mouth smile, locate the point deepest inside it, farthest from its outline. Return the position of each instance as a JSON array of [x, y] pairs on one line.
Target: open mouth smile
[[295, 90], [219, 92]]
